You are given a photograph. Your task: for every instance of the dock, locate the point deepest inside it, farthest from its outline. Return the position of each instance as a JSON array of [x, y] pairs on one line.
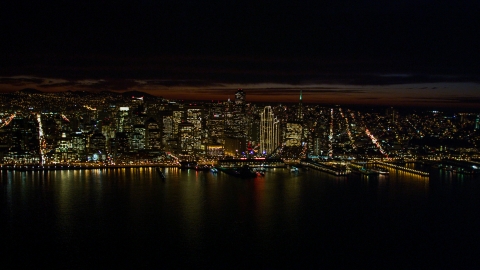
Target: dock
[[331, 168], [399, 167]]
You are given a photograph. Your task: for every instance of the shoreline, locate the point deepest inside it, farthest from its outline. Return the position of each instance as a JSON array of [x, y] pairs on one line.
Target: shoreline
[[56, 167]]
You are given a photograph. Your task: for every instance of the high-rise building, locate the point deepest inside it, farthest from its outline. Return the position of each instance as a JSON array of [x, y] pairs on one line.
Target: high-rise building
[[79, 145], [240, 98], [236, 120], [293, 134], [167, 128], [123, 122], [137, 137], [216, 124], [97, 147], [477, 122], [268, 131], [300, 108], [153, 135], [186, 140], [24, 146], [392, 115], [178, 117], [194, 115]]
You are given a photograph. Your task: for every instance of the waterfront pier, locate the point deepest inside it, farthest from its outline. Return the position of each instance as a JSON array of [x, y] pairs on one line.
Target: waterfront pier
[[398, 167], [328, 167]]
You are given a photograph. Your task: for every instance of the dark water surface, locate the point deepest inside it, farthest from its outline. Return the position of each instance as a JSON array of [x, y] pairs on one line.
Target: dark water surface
[[131, 218]]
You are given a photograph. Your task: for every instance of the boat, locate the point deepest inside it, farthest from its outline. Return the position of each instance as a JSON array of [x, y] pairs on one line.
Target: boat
[[259, 171], [380, 171], [161, 174], [294, 169], [202, 168]]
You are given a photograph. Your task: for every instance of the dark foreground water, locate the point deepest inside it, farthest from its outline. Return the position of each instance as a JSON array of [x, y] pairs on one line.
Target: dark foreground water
[[131, 218]]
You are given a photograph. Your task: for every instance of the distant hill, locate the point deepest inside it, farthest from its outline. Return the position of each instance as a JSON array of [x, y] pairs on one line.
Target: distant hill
[[29, 91], [136, 94], [76, 93], [108, 93]]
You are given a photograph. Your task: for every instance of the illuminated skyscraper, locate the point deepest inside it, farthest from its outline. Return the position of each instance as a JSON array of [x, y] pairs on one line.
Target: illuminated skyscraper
[[236, 117], [216, 123], [153, 135], [186, 140], [137, 137], [240, 98], [293, 134], [195, 117], [123, 122], [268, 131], [300, 108]]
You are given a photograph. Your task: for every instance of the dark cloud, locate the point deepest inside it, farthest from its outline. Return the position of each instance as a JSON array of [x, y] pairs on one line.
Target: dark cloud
[[296, 90], [368, 98], [451, 99], [56, 85], [174, 83], [471, 100], [206, 71], [20, 81]]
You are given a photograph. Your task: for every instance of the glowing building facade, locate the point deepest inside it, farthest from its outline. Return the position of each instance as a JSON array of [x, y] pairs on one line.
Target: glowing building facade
[[269, 131]]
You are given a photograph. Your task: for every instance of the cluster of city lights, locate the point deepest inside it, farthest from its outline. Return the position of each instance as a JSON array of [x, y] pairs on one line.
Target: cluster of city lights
[[375, 141], [330, 136], [7, 121]]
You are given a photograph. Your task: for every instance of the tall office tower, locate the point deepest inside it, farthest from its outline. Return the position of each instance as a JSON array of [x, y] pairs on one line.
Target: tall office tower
[[195, 117], [268, 131], [293, 134], [240, 98], [79, 145], [229, 120], [97, 143], [137, 137], [254, 130], [186, 140], [97, 147], [215, 124], [239, 116], [321, 140], [123, 122], [5, 141], [25, 146], [392, 115], [153, 135], [63, 151], [167, 128], [477, 122], [178, 117], [120, 146], [300, 108]]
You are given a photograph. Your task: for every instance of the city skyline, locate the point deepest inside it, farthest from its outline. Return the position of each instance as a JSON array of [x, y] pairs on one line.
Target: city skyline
[[69, 127]]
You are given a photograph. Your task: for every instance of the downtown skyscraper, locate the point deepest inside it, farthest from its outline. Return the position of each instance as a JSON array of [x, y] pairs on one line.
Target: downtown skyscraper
[[269, 131]]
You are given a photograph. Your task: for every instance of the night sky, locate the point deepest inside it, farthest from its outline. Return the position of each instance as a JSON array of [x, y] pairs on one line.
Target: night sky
[[399, 53]]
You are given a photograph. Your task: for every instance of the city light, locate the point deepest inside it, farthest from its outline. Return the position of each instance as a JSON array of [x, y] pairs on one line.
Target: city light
[[103, 132]]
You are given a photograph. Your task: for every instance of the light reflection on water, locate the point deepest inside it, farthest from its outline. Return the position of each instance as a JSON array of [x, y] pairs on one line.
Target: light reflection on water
[[85, 217]]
